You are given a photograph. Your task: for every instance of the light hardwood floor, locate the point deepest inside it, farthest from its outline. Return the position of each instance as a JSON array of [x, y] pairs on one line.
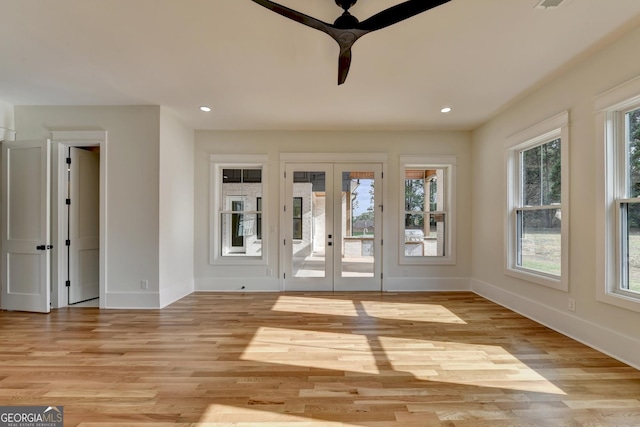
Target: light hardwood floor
[[293, 360]]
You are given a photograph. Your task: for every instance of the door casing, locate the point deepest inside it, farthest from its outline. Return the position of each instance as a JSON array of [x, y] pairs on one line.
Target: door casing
[[62, 140]]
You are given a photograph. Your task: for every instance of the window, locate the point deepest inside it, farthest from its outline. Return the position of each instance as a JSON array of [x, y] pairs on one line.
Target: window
[[536, 173], [237, 203], [618, 121], [426, 233]]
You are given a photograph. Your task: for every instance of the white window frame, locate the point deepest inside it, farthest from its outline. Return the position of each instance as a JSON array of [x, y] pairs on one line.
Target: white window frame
[[218, 162], [449, 165], [611, 167], [538, 134]]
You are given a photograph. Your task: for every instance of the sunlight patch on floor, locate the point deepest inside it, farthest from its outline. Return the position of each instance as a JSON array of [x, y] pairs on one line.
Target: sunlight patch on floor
[[267, 415], [428, 313], [310, 349], [462, 363], [320, 306]]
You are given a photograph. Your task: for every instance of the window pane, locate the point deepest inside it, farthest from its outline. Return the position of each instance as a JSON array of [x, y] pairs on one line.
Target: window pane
[[252, 175], [631, 247], [231, 175], [633, 152], [238, 234], [539, 240], [541, 177], [414, 192], [421, 240]]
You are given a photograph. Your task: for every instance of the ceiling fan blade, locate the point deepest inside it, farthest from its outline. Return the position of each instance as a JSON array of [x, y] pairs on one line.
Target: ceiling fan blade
[[295, 15], [344, 63], [398, 13]]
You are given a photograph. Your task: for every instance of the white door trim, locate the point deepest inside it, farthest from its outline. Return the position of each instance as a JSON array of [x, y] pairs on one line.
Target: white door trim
[[62, 140]]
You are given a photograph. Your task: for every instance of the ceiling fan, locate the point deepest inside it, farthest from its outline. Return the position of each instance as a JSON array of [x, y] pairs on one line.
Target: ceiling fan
[[347, 28]]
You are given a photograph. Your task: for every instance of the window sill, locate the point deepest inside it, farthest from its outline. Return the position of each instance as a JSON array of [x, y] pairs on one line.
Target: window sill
[[538, 278], [620, 300]]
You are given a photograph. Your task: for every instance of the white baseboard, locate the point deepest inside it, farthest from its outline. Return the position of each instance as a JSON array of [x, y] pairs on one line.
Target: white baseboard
[[422, 284], [230, 284], [131, 300], [607, 341]]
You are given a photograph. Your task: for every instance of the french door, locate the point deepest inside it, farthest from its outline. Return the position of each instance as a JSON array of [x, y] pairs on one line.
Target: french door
[[333, 227]]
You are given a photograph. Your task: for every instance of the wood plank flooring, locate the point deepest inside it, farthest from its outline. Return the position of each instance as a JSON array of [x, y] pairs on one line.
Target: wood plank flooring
[[294, 360]]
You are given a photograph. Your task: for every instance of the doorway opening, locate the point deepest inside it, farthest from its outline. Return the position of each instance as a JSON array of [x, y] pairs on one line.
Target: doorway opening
[[82, 226], [78, 219]]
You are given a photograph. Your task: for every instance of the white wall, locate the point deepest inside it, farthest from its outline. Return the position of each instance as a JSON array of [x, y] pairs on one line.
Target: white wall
[[176, 209], [393, 144], [7, 122], [133, 170], [603, 326]]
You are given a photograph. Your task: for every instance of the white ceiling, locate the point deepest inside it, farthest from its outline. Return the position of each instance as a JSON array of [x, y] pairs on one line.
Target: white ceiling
[[258, 70]]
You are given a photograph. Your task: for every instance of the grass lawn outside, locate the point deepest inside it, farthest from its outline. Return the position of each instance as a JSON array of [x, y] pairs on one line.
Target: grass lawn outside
[[541, 252]]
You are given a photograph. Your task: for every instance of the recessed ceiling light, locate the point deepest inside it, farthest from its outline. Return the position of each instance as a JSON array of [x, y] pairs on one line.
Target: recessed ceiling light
[[205, 108], [446, 110]]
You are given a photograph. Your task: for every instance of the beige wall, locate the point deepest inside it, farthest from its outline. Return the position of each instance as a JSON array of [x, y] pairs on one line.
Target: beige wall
[[133, 170], [612, 329], [7, 122], [176, 209], [393, 144]]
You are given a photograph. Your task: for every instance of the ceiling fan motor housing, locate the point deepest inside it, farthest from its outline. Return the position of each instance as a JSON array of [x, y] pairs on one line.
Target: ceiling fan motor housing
[[346, 4]]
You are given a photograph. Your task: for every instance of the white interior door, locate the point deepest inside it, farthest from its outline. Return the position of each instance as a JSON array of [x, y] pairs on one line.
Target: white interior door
[[332, 227], [84, 225], [25, 226]]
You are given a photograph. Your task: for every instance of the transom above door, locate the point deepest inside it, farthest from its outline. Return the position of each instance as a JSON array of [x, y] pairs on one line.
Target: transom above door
[[332, 227]]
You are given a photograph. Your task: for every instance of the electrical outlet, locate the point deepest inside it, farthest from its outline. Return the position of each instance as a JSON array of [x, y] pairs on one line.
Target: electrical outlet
[[144, 284], [571, 304]]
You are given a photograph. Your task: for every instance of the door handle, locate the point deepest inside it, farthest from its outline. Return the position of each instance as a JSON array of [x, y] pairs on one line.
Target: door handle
[[43, 247]]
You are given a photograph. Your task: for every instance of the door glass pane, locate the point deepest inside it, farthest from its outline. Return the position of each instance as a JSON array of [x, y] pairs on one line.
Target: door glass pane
[[308, 218], [358, 224]]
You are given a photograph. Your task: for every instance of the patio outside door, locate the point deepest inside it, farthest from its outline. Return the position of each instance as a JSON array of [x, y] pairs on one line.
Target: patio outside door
[[333, 227]]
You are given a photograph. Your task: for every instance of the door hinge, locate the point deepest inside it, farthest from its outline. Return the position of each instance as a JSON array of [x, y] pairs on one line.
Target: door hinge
[[285, 174], [382, 175], [68, 201], [381, 242], [68, 160], [381, 275], [285, 208], [284, 242], [67, 242], [67, 283], [284, 275]]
